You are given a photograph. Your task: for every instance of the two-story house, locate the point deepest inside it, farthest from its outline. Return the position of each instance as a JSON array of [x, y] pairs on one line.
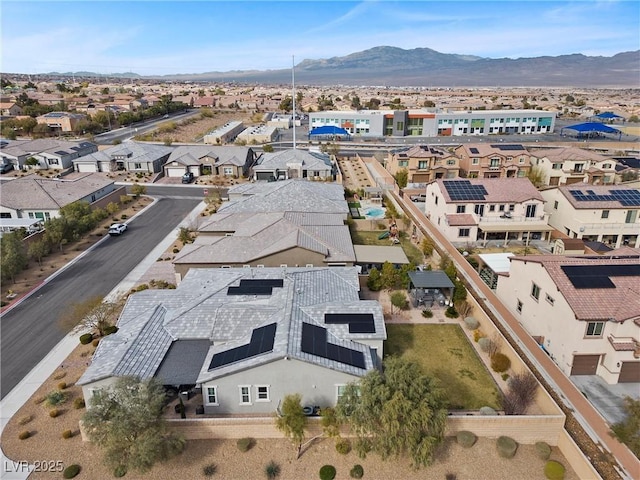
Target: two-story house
[[496, 160], [567, 165], [424, 163], [608, 214], [481, 209], [46, 153], [584, 311]]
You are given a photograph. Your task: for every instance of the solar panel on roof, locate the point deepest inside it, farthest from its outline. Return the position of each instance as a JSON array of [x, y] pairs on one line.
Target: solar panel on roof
[[464, 190], [262, 340], [598, 276], [627, 198], [358, 322], [255, 286], [314, 342], [474, 150], [507, 147]]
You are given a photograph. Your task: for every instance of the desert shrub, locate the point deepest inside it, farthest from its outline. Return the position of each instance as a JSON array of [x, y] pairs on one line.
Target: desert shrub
[[487, 411], [26, 419], [95, 342], [67, 434], [343, 446], [209, 470], [543, 450], [488, 345], [507, 447], [500, 362], [62, 385], [505, 376], [554, 470], [245, 444], [86, 338], [110, 329], [78, 403], [464, 308], [327, 472], [71, 471], [356, 472], [477, 335], [24, 435], [427, 313], [175, 250], [39, 400], [466, 439], [272, 470], [120, 471], [60, 375], [471, 323], [56, 398], [451, 312], [521, 393], [53, 413], [450, 476]]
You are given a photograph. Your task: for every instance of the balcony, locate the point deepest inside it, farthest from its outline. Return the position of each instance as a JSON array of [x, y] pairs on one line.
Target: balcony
[[608, 227]]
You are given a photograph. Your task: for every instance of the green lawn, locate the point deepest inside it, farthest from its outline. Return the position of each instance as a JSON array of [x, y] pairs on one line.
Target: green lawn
[[444, 352], [412, 252]]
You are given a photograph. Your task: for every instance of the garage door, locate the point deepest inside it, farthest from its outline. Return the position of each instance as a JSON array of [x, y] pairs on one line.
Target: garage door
[[629, 372], [175, 172], [585, 364], [87, 167]]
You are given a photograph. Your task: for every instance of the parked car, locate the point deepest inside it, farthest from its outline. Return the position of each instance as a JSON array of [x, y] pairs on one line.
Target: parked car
[[187, 177], [6, 167], [117, 229], [419, 198]]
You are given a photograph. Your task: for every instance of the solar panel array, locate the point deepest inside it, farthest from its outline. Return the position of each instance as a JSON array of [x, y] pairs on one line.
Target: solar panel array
[[255, 287], [261, 342], [509, 147], [314, 342], [474, 150], [627, 198], [358, 322], [598, 276], [463, 190]]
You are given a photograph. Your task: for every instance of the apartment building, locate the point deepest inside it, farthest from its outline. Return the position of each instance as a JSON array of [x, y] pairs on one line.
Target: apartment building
[[498, 160]]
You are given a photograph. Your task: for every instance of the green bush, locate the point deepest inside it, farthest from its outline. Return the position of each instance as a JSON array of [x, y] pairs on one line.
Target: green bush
[[451, 312], [507, 447], [327, 472], [543, 450], [110, 329], [554, 470], [466, 439], [24, 435], [209, 470], [120, 471], [500, 362], [487, 411], [272, 470], [356, 472], [343, 446], [427, 313], [71, 471], [86, 338], [56, 398], [78, 403], [471, 323], [245, 444], [67, 434]]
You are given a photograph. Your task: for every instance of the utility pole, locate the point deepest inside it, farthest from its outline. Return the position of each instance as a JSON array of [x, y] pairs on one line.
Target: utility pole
[[293, 86]]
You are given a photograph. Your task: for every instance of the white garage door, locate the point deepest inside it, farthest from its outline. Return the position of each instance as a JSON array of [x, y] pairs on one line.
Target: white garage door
[[87, 168], [175, 171]]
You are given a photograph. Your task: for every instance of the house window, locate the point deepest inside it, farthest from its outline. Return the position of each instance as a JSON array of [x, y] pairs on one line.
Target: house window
[[512, 207], [578, 168], [212, 395], [521, 160], [535, 291], [451, 162], [137, 166], [557, 166], [52, 161], [245, 394], [403, 163], [227, 171], [492, 208], [501, 208], [605, 214], [463, 232], [549, 299], [606, 165], [340, 392], [594, 329], [461, 208], [422, 164], [519, 306], [475, 161], [555, 205], [262, 393], [436, 200]]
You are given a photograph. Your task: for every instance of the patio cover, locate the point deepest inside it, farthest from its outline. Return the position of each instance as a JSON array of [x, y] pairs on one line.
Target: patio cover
[[497, 262], [429, 279], [329, 130], [517, 227]]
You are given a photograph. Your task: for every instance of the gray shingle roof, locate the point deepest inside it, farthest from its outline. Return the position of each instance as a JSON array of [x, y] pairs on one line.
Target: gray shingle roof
[[280, 160], [200, 309]]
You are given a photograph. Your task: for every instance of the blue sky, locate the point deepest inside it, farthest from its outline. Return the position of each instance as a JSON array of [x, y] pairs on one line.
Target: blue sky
[[152, 38]]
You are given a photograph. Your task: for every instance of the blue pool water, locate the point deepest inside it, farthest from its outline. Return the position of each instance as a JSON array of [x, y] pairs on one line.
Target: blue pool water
[[374, 212]]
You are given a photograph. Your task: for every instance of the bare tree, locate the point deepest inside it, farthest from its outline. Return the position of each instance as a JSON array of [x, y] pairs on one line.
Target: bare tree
[[521, 393], [93, 314]]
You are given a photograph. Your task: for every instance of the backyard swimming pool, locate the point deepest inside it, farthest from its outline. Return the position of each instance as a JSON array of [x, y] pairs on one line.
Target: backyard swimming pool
[[372, 211]]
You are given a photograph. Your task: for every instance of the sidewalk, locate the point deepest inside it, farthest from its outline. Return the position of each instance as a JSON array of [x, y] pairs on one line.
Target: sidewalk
[[13, 401]]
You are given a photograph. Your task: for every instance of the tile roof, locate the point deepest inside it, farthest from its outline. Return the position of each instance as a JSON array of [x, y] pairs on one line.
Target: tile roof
[[281, 160], [562, 154], [486, 149], [200, 309], [33, 192], [460, 219], [597, 190], [499, 190], [616, 304]]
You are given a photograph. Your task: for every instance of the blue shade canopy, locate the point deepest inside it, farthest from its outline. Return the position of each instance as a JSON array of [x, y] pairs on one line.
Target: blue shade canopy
[[328, 130], [590, 127], [608, 115]]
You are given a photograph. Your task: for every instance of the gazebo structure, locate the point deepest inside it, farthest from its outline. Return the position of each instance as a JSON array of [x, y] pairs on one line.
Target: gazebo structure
[[592, 129], [428, 288], [329, 132]]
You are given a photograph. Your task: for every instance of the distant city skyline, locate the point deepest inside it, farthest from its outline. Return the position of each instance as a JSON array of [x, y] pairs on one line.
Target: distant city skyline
[[169, 37]]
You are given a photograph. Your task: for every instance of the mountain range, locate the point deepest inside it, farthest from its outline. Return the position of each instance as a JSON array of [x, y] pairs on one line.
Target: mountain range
[[392, 66]]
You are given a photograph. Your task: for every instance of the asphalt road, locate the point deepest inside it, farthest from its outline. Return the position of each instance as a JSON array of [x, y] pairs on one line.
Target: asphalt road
[[31, 329], [123, 133]]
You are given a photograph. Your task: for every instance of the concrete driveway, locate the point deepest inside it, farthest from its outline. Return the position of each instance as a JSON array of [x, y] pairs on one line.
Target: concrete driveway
[[607, 399]]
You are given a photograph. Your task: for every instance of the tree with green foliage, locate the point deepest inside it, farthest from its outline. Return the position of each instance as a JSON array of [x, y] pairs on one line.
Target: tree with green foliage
[[184, 235], [374, 282], [389, 276], [56, 231], [633, 119], [292, 421], [395, 412], [628, 430], [14, 256], [267, 148], [38, 250], [138, 189], [402, 177], [126, 421], [286, 105], [79, 217], [399, 300], [427, 246], [373, 104], [429, 104]]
